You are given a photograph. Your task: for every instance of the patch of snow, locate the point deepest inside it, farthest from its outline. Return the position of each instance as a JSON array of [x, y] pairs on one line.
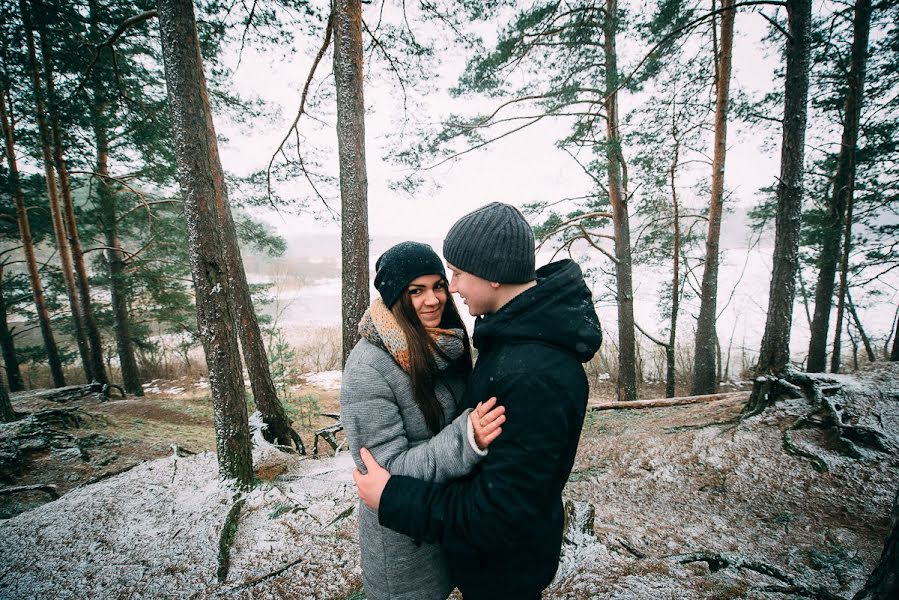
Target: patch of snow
[[326, 380]]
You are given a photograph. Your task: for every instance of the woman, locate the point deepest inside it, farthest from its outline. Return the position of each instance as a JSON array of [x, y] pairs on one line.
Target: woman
[[401, 386]]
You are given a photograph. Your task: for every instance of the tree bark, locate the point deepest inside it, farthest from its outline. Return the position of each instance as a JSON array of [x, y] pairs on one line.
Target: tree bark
[[866, 341], [37, 288], [894, 352], [883, 583], [627, 353], [353, 178], [835, 355], [7, 414], [202, 184], [843, 185], [279, 428], [92, 332], [8, 347], [59, 230], [670, 355], [115, 263], [705, 374], [774, 354]]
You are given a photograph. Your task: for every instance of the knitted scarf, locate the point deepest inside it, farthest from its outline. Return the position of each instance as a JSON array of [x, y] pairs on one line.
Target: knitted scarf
[[379, 326]]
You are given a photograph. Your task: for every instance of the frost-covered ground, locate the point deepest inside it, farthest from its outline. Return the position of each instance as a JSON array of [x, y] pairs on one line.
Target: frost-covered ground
[[664, 482]]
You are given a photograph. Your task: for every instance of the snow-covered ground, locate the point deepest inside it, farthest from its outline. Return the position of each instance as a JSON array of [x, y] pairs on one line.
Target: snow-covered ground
[[664, 483]]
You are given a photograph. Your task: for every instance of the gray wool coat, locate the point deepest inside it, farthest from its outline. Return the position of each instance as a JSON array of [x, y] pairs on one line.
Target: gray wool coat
[[378, 412]]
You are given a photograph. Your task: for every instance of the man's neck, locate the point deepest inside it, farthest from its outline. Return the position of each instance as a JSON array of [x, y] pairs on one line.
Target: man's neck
[[508, 291]]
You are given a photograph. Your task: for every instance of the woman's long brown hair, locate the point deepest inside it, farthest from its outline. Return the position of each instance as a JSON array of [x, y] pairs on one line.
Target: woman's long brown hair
[[422, 348]]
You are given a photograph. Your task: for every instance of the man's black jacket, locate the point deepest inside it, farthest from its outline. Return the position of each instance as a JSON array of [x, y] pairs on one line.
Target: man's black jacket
[[501, 526]]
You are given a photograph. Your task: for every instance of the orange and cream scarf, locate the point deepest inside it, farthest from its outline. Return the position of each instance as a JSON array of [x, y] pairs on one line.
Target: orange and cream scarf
[[379, 326]]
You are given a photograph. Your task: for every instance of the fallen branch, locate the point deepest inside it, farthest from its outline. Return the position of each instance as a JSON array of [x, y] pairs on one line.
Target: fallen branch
[[717, 561], [327, 434], [38, 487], [663, 402], [256, 580]]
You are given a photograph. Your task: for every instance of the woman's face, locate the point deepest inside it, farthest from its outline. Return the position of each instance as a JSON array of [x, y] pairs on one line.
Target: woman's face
[[428, 294]]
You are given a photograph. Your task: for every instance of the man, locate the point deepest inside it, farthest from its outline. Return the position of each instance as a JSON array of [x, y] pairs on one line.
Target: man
[[501, 526]]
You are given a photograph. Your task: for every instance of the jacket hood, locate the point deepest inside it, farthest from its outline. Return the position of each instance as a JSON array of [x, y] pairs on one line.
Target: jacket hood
[[558, 311]]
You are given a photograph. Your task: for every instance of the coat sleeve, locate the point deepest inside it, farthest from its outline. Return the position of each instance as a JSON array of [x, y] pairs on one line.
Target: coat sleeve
[[514, 486], [371, 419]]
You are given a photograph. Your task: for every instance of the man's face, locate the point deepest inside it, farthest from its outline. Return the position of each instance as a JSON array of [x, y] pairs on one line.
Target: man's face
[[479, 295]]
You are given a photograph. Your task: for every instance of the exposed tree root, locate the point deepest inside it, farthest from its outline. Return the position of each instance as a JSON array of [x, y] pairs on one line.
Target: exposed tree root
[[717, 561], [829, 411], [818, 463], [229, 530]]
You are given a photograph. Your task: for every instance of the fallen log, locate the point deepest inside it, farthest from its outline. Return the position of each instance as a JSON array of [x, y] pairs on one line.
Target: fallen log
[[663, 402], [39, 487], [67, 393]]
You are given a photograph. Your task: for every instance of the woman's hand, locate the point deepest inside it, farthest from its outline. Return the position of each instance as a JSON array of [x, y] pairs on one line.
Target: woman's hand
[[486, 421]]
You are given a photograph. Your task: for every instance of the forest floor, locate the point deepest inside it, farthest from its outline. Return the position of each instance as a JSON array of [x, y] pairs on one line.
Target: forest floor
[[137, 520]]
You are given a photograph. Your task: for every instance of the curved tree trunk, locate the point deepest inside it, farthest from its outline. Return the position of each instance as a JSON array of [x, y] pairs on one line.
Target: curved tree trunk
[[705, 373], [59, 229], [37, 288], [843, 184], [202, 185], [627, 346], [279, 428], [115, 263], [92, 332], [353, 178]]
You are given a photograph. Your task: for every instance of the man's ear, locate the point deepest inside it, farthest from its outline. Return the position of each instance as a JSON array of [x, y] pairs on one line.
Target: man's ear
[[495, 285]]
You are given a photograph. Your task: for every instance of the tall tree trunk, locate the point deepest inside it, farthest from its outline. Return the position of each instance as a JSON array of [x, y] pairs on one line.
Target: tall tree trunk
[[843, 184], [7, 414], [279, 428], [774, 354], [353, 177], [883, 583], [705, 374], [627, 351], [92, 332], [835, 355], [866, 341], [203, 187], [8, 347], [670, 355], [894, 352], [37, 288], [115, 263], [59, 230]]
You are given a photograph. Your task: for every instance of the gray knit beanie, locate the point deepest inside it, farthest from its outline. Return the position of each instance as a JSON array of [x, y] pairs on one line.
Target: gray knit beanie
[[494, 242]]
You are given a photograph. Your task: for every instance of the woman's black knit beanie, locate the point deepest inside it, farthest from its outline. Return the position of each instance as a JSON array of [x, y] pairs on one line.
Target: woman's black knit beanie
[[494, 242], [401, 264]]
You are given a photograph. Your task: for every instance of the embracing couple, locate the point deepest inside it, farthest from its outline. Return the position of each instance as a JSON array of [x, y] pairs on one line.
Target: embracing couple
[[461, 469]]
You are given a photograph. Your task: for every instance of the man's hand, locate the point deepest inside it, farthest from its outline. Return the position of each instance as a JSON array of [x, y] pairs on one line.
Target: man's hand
[[486, 421], [371, 485]]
